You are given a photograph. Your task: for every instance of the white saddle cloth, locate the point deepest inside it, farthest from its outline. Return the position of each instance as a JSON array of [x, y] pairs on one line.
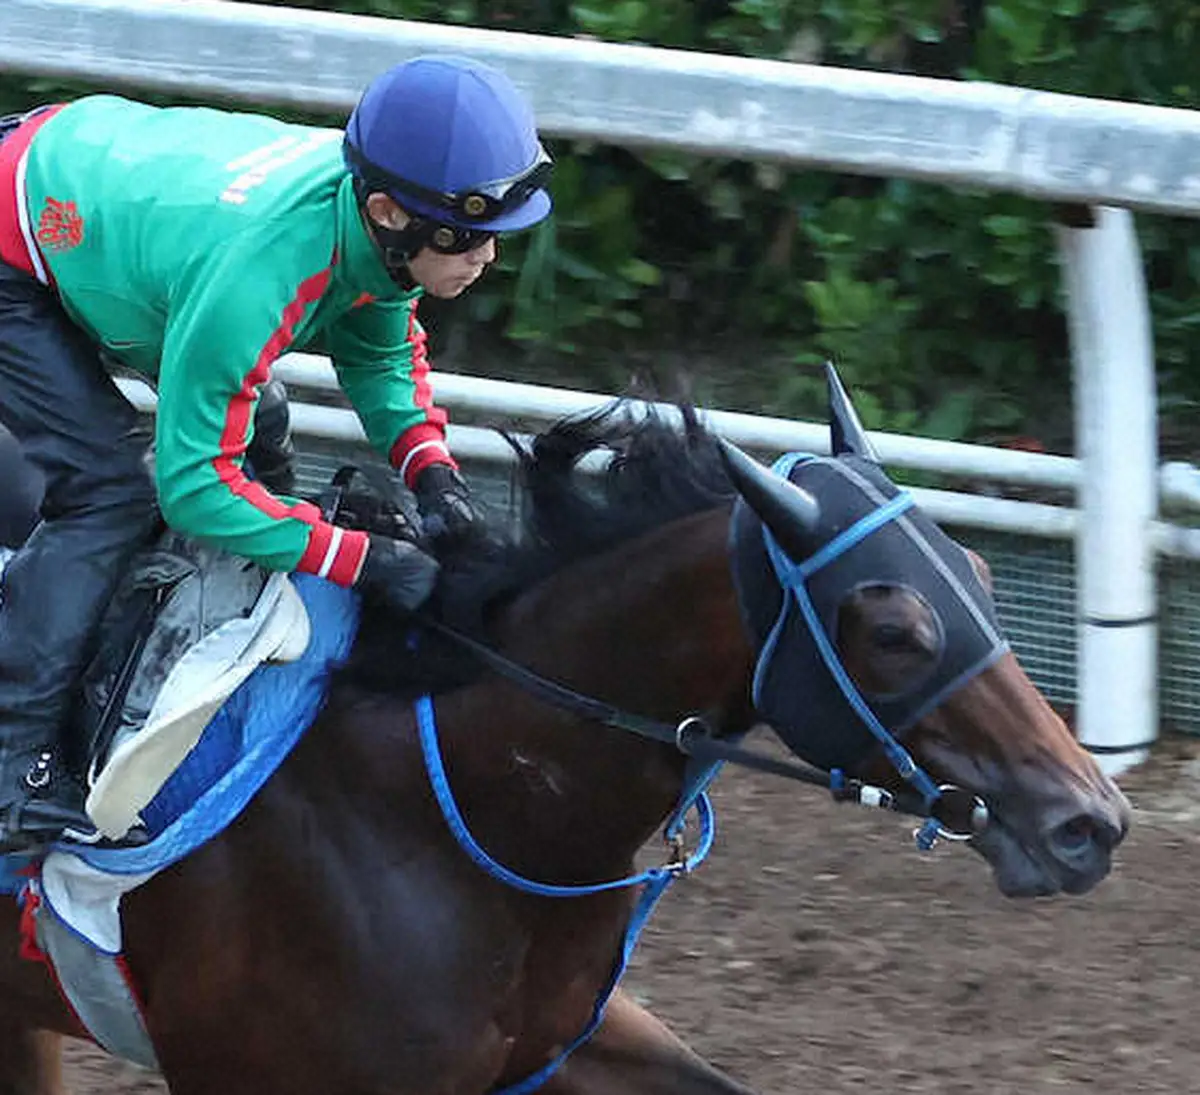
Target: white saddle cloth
[[276, 630]]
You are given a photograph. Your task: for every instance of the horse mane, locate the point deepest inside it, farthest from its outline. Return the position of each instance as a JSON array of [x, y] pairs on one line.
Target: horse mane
[[663, 466]]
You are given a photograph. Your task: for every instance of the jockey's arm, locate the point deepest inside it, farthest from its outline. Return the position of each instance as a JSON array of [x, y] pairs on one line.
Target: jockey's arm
[[379, 353], [231, 318]]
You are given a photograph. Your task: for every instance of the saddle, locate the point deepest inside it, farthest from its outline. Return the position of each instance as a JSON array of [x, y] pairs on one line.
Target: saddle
[[186, 627]]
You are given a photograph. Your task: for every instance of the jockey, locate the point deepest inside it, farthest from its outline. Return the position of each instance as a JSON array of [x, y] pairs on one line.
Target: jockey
[[196, 246]]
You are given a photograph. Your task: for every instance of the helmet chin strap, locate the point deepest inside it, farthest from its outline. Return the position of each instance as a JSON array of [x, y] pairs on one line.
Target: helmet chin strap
[[397, 246]]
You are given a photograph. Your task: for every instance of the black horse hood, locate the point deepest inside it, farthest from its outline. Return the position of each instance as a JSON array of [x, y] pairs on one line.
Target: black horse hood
[[869, 534]]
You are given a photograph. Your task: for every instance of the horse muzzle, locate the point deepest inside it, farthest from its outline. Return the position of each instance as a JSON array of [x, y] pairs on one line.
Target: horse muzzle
[[1068, 854]]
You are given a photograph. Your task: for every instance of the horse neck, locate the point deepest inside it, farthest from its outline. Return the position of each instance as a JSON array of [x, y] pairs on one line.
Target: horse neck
[[651, 627]]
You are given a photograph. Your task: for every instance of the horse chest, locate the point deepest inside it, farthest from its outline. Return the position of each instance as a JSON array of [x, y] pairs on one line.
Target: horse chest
[[565, 970]]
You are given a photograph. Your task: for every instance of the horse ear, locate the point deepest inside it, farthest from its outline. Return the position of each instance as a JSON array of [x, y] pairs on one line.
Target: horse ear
[[789, 511], [846, 433]]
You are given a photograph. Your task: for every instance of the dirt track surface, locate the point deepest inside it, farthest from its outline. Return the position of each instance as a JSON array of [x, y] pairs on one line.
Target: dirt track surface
[[818, 952]]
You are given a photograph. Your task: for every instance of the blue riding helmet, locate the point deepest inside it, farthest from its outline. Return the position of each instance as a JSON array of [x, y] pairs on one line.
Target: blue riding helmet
[[451, 140]]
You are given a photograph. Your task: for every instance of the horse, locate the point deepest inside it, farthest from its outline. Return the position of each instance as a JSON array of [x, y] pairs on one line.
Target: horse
[[391, 916]]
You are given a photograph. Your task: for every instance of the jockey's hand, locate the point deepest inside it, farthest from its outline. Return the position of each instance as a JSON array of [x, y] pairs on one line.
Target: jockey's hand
[[448, 516], [397, 571]]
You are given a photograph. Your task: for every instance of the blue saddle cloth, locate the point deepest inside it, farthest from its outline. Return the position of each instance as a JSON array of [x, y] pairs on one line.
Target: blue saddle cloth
[[240, 749]]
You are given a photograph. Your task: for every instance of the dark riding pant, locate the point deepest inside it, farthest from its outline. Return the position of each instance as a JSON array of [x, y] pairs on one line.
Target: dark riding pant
[[20, 493], [90, 448]]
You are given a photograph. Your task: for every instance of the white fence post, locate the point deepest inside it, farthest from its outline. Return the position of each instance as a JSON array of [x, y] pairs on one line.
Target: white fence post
[[1115, 423]]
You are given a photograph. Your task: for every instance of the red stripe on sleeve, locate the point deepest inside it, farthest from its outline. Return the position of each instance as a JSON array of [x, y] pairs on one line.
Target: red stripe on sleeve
[[420, 371], [318, 547], [432, 443], [340, 563], [349, 558], [234, 434]]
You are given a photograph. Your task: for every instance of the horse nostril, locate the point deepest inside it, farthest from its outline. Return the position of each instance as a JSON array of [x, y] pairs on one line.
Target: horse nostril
[[1075, 834], [1082, 833]]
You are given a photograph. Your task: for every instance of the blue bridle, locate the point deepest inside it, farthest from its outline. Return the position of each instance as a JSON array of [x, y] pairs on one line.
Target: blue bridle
[[793, 580]]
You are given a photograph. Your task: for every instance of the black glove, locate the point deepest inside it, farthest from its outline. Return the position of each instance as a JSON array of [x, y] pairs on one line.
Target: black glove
[[448, 515], [397, 571]]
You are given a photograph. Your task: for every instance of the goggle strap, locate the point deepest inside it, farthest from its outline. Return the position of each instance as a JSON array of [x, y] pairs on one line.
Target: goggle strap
[[374, 177], [400, 245]]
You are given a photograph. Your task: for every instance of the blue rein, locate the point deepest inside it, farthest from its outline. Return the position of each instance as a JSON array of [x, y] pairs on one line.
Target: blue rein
[[655, 881]]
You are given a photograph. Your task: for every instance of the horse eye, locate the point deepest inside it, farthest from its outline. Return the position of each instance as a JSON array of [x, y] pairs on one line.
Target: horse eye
[[893, 637]]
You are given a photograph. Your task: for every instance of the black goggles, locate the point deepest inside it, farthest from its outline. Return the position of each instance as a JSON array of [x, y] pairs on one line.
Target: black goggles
[[450, 239], [483, 203]]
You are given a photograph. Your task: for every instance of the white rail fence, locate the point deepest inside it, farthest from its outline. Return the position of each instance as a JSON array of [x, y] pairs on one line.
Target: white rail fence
[[1056, 147], [502, 401], [1053, 146]]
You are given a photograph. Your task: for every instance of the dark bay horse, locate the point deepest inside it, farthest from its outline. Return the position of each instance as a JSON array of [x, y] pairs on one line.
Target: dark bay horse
[[336, 938]]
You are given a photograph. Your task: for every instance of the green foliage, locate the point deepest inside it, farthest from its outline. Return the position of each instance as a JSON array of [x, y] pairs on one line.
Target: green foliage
[[942, 307], [579, 270]]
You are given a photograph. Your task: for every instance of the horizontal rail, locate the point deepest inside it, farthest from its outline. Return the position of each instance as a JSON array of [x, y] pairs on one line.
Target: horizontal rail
[[1178, 482], [474, 443], [1058, 147], [535, 402]]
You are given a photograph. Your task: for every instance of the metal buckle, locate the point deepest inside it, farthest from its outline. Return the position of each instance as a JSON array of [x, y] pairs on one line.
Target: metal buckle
[[976, 819], [38, 776], [677, 861], [692, 725]]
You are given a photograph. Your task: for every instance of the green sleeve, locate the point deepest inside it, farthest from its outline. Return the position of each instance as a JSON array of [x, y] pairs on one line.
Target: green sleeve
[[378, 350], [230, 318]]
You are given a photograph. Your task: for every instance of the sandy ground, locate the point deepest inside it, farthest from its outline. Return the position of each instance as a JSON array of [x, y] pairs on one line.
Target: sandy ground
[[818, 951]]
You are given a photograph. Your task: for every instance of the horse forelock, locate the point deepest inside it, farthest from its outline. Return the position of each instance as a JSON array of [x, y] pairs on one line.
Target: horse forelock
[[663, 466]]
